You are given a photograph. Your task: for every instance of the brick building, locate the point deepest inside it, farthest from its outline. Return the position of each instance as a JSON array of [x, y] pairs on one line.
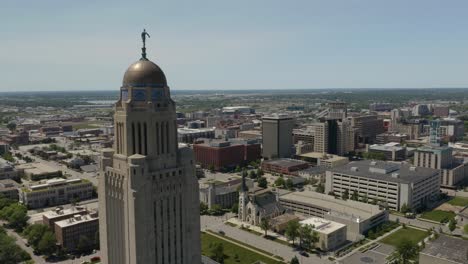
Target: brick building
[[226, 154], [284, 166]]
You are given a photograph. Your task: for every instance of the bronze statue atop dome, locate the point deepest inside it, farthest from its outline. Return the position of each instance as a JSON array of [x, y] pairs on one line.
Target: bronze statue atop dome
[[143, 38]]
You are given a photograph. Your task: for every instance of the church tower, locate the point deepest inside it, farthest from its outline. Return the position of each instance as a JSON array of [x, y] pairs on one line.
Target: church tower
[[148, 191]]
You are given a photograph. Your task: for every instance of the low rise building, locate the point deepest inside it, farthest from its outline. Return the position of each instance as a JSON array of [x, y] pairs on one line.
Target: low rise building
[[9, 189], [189, 135], [390, 184], [284, 166], [359, 217], [322, 159], [250, 134], [7, 170], [37, 171], [392, 151], [331, 234], [50, 217], [55, 191], [70, 231]]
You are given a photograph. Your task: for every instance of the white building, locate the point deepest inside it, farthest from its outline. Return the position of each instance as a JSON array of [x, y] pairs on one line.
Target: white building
[[386, 183], [55, 191]]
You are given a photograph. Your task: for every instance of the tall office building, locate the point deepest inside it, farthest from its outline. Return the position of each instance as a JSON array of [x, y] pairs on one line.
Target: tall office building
[[337, 110], [277, 136], [148, 191], [333, 136]]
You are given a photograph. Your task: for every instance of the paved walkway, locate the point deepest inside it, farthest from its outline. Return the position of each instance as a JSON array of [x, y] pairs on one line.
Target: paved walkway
[[241, 245], [287, 253]]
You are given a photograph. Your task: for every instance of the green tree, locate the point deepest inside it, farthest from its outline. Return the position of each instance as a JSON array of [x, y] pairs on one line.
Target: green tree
[[217, 252], [34, 233], [292, 230], [279, 182], [10, 253], [294, 260], [211, 168], [84, 244], [465, 228], [252, 175], [265, 225], [406, 250], [345, 195], [404, 208], [262, 182], [320, 188], [203, 208], [355, 196], [260, 172], [235, 208], [47, 244], [305, 235], [11, 126], [452, 225], [238, 169], [16, 215], [216, 209], [289, 184]]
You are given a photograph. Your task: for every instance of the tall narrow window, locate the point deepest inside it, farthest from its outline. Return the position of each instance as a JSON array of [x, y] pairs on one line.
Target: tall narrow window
[[145, 139], [162, 137], [139, 139], [133, 139], [157, 138], [167, 138]]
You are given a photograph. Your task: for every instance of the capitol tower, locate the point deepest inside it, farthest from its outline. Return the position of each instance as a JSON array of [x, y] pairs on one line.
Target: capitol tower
[[148, 191]]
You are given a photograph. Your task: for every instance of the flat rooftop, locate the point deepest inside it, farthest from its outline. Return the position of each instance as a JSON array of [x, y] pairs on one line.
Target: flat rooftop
[[322, 156], [194, 130], [348, 209], [77, 219], [448, 248], [62, 212], [322, 225], [387, 147], [285, 162], [385, 171]]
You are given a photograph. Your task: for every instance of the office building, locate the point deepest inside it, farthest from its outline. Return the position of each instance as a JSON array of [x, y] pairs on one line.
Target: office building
[[70, 231], [337, 110], [358, 217], [333, 136], [50, 217], [55, 191], [390, 184], [189, 135], [331, 234], [148, 190], [366, 128], [325, 160], [9, 189], [440, 111], [453, 172], [380, 107], [277, 140], [222, 154], [391, 151], [37, 171], [7, 170], [284, 166]]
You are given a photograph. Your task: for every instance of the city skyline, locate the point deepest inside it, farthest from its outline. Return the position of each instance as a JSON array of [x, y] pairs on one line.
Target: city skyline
[[207, 46]]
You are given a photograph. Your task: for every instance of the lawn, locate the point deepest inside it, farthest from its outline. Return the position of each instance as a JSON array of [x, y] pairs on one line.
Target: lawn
[[459, 201], [412, 234], [230, 250], [438, 216]]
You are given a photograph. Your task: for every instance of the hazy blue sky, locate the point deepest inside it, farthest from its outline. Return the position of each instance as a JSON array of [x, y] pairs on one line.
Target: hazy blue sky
[[221, 44]]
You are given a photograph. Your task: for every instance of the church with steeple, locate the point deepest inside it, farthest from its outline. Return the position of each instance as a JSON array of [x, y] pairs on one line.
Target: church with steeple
[[148, 191]]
